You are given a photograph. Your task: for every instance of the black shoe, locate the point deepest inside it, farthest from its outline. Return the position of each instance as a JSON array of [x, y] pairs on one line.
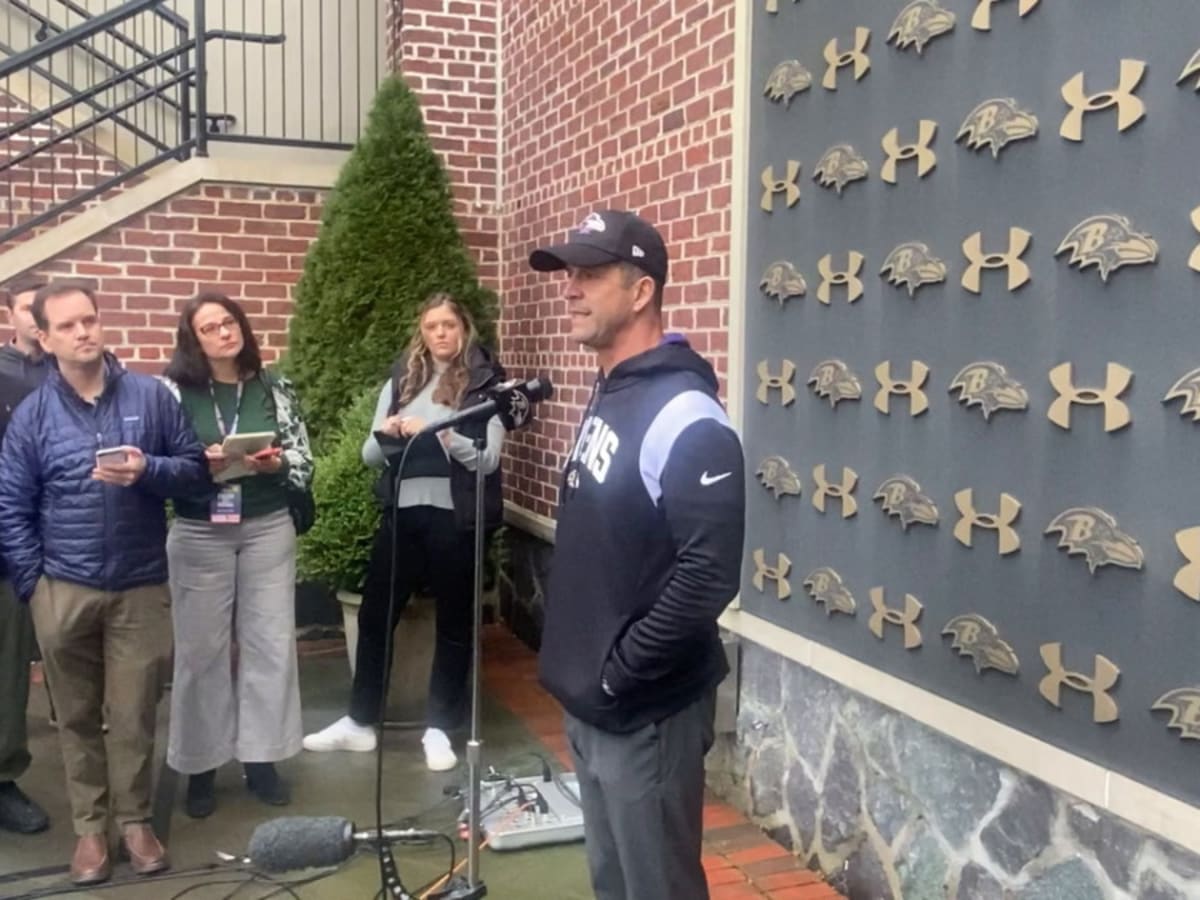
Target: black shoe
[[18, 813], [201, 799], [264, 783]]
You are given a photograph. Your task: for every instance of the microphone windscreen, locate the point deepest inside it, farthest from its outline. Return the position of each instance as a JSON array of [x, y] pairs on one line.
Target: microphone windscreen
[[301, 842]]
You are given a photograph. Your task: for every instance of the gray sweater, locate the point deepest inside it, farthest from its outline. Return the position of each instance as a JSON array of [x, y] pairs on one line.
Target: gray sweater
[[432, 491]]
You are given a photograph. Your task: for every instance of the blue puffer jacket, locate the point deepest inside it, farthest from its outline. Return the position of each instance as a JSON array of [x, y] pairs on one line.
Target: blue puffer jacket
[[56, 520]]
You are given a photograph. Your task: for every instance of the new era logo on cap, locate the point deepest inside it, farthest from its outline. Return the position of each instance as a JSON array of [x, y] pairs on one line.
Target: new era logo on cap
[[605, 237]]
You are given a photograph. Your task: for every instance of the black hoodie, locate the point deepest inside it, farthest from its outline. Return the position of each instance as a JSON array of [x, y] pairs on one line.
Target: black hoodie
[[648, 546], [19, 376]]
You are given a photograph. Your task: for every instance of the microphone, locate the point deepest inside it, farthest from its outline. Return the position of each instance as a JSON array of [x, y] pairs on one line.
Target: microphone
[[315, 842], [512, 401]]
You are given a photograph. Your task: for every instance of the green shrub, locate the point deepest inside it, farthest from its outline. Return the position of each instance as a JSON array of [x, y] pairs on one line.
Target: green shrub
[[337, 548], [388, 240]]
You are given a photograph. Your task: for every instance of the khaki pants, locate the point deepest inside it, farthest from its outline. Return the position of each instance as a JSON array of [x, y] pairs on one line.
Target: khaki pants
[[105, 654]]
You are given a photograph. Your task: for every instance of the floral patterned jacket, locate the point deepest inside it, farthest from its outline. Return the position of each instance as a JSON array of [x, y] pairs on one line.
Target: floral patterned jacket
[[293, 433]]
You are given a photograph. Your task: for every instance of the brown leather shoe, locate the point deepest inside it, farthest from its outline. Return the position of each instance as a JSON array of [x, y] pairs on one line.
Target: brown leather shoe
[[146, 854], [90, 864]]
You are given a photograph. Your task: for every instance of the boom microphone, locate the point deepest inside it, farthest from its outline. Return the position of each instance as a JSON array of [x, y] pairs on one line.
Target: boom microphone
[[512, 401], [314, 842]]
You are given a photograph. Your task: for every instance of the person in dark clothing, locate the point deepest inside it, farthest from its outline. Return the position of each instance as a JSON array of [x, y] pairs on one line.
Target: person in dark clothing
[[427, 526], [23, 367], [88, 461], [648, 551]]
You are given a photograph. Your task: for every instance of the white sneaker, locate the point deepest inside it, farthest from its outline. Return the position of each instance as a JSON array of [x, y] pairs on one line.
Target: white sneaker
[[344, 734], [439, 756]]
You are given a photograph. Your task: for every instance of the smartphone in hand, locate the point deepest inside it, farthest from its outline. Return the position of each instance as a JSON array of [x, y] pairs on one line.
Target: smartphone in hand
[[112, 456]]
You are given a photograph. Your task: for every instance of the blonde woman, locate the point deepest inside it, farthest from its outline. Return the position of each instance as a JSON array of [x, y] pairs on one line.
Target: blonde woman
[[426, 531]]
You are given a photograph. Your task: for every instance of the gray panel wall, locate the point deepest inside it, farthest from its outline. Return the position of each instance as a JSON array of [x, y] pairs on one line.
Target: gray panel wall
[[1146, 318]]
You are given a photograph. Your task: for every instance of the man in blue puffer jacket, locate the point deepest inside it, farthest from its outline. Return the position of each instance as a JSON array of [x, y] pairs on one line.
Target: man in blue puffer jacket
[[83, 533]]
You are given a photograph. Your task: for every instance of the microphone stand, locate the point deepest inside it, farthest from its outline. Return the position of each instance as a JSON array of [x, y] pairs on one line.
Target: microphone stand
[[474, 744], [474, 888]]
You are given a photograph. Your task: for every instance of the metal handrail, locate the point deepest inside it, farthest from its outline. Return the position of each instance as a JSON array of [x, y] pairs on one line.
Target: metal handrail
[[87, 49], [72, 36], [76, 96]]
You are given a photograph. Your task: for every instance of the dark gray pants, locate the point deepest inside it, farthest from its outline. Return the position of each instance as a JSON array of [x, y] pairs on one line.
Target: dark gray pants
[[643, 804], [16, 647]]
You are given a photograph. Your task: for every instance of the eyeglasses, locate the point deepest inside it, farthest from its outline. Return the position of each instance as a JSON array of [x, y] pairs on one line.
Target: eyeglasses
[[229, 323]]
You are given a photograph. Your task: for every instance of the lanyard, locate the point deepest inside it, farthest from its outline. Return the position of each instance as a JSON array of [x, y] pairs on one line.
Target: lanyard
[[217, 410]]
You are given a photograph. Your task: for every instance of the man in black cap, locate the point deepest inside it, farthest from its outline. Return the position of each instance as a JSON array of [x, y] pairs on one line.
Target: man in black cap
[[648, 551]]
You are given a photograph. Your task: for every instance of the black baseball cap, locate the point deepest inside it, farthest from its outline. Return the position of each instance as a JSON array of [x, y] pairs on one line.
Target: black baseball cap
[[607, 236]]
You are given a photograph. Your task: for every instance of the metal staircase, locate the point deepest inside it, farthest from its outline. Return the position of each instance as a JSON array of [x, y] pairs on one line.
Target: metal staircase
[[95, 94]]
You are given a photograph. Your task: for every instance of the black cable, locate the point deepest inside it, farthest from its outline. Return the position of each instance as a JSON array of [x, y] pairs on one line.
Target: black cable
[[241, 882], [195, 872], [388, 646], [449, 870]]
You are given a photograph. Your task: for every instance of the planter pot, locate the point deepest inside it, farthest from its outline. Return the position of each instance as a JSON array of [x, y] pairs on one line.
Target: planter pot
[[412, 657]]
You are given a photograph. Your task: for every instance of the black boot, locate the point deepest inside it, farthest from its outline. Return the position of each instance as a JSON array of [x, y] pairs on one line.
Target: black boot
[[18, 813], [264, 783], [201, 795]]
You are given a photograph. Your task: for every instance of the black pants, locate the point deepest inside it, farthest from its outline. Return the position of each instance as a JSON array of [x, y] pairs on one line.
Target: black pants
[[16, 645], [643, 804], [429, 550]]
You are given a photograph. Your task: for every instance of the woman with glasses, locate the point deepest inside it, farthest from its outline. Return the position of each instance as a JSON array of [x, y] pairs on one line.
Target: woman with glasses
[[233, 562]]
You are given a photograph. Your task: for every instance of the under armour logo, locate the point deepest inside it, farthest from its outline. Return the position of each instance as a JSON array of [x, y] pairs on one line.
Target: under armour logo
[[1130, 107], [918, 402], [848, 277], [777, 573], [1116, 382], [1001, 523], [982, 20], [856, 57], [906, 618], [781, 382], [978, 260], [1194, 259], [788, 185], [1103, 678], [1187, 579], [920, 151], [843, 490]]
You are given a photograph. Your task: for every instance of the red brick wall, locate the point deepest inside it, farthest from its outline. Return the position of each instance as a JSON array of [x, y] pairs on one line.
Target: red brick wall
[[447, 52], [51, 176], [621, 104], [248, 242]]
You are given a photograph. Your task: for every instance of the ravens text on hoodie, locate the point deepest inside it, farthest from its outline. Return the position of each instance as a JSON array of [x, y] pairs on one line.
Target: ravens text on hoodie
[[648, 545]]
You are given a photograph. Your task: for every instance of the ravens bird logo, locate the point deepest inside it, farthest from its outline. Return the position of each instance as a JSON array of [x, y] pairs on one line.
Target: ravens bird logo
[[1108, 242], [833, 379], [913, 264], [786, 80], [840, 165], [1192, 68], [1184, 706], [777, 476], [1187, 388], [976, 637], [780, 280], [919, 23], [997, 123], [825, 586], [902, 497], [1094, 533], [989, 386]]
